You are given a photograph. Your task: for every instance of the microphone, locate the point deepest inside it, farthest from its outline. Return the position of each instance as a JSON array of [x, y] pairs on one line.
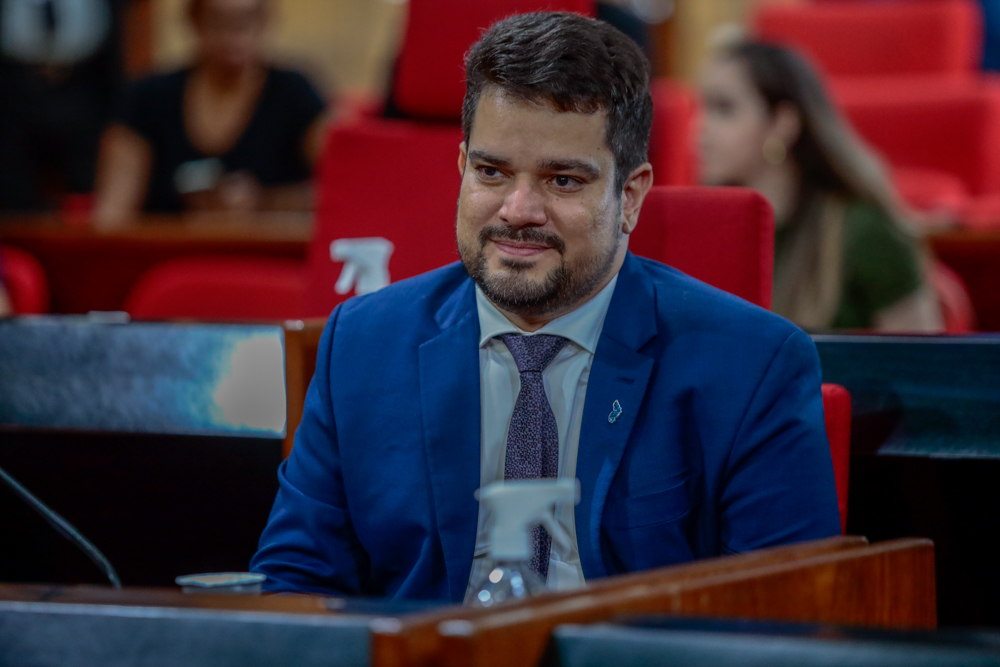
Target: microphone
[[64, 528]]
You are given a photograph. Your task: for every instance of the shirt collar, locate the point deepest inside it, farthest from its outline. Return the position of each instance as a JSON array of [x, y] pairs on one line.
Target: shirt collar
[[581, 326]]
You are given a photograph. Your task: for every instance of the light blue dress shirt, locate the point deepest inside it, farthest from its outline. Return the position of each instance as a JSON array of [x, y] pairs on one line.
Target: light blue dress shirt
[[565, 383]]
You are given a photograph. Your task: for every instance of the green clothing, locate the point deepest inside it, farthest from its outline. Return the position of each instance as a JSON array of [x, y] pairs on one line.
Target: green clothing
[[881, 265]]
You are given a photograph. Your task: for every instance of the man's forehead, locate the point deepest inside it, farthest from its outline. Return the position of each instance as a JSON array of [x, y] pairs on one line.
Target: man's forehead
[[502, 99], [506, 124]]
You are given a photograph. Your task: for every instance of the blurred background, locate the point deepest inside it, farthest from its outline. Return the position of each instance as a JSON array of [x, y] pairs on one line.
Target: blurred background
[[179, 158]]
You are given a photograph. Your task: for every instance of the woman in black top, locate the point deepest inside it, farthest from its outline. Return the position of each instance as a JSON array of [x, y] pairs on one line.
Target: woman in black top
[[229, 133]]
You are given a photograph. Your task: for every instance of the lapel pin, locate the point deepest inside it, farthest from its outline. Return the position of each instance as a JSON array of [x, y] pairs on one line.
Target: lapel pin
[[616, 412]]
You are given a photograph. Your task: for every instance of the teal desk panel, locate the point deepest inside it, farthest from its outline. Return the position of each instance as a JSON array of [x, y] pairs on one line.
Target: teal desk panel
[[179, 379], [926, 396]]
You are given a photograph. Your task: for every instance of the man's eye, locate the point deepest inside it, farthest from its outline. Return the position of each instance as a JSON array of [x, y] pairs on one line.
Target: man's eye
[[565, 181], [489, 172]]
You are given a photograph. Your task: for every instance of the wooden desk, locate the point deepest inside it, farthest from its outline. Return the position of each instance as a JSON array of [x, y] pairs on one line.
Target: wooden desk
[[89, 269], [301, 344], [839, 580], [975, 256]]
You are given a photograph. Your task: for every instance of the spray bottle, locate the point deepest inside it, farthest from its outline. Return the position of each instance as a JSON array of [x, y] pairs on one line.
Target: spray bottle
[[366, 264], [516, 507]]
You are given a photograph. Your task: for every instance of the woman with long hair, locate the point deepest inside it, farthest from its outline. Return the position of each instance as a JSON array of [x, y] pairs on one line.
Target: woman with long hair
[[844, 256]]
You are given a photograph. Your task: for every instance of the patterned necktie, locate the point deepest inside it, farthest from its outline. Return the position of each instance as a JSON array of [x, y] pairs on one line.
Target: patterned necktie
[[533, 437]]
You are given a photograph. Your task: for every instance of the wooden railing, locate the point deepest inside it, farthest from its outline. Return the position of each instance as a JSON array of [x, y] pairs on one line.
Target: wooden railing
[[840, 580]]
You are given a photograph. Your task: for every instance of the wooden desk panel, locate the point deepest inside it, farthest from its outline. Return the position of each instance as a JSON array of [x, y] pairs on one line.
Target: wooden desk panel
[[89, 269], [163, 597], [840, 580], [301, 345]]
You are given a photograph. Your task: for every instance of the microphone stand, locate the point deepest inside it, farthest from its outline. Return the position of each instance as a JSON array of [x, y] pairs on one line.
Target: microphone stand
[[64, 528]]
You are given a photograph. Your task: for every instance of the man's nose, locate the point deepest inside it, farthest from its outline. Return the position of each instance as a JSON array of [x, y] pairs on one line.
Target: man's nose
[[524, 205]]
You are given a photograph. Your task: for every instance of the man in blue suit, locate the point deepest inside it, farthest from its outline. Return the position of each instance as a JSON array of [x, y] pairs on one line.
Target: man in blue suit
[[692, 419]]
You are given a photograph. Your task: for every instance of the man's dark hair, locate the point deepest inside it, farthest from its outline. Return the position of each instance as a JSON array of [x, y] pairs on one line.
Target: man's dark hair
[[575, 63]]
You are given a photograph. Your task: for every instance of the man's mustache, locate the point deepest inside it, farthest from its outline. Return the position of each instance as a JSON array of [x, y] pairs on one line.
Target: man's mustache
[[523, 235]]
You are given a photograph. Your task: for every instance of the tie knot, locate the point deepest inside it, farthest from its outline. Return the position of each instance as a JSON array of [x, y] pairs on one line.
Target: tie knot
[[533, 353]]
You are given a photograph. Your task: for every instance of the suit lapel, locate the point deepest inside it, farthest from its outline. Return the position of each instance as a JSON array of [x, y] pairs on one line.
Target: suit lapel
[[449, 396], [619, 373]]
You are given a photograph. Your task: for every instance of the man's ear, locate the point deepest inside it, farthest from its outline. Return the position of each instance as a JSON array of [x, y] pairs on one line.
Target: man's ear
[[462, 157], [636, 187]]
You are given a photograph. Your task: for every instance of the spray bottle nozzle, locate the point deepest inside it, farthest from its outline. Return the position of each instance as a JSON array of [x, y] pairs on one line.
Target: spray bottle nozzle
[[518, 505]]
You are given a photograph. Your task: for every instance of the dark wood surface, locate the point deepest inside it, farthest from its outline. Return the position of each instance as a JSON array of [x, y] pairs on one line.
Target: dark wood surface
[[90, 269], [163, 597], [841, 580], [301, 344]]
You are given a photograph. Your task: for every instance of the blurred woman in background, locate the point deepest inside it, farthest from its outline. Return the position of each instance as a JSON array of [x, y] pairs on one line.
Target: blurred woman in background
[[844, 258], [229, 133]]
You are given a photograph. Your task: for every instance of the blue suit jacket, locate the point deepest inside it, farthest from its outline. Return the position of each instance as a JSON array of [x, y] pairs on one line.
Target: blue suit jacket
[[720, 446]]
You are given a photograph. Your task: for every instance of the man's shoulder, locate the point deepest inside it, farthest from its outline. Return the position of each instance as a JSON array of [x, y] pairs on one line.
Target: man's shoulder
[[685, 304]]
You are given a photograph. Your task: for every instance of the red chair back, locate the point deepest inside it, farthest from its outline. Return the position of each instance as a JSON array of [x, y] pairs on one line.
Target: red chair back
[[396, 180], [430, 73], [953, 128], [672, 142], [24, 279], [219, 288], [837, 414], [722, 236], [859, 37]]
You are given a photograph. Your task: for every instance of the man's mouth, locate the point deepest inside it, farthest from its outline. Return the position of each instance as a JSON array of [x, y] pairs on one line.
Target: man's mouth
[[520, 248]]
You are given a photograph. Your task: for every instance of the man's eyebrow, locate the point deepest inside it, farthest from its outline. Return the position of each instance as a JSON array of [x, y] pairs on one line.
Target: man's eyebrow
[[585, 167], [477, 155]]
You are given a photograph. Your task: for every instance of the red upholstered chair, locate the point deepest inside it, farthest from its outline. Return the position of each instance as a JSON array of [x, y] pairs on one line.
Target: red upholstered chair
[[931, 189], [722, 236], [25, 281], [430, 73], [219, 288], [837, 414], [919, 123], [395, 180], [863, 38], [672, 150]]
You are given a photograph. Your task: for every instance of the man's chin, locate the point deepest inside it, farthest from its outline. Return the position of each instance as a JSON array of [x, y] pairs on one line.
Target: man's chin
[[509, 288], [532, 268]]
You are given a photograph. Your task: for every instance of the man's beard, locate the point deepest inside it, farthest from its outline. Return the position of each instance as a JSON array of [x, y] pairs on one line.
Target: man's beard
[[513, 291]]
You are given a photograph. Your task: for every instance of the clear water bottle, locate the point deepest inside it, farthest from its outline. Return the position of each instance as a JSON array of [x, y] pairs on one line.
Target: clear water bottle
[[506, 580], [516, 507]]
